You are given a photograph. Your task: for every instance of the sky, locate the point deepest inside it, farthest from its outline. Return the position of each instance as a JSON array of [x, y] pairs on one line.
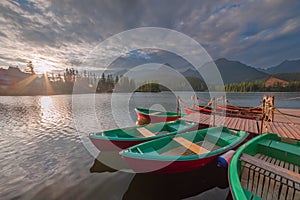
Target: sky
[[60, 33]]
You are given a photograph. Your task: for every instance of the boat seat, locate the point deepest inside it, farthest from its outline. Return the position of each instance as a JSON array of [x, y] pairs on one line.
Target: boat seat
[[285, 173], [145, 132], [190, 145]]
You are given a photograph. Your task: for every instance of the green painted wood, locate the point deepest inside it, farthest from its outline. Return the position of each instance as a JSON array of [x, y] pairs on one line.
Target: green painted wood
[[214, 139], [133, 134], [277, 166]]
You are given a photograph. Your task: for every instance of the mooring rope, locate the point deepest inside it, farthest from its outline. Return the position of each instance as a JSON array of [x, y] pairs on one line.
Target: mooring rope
[[286, 99], [201, 99], [285, 115], [240, 108]]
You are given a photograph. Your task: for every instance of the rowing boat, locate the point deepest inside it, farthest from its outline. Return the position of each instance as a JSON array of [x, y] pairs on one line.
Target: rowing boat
[[153, 116], [230, 111], [125, 137], [266, 167], [183, 152]]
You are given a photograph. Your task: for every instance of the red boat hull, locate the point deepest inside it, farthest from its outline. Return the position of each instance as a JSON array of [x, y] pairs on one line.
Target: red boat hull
[[189, 111], [223, 110], [166, 167], [202, 109], [155, 119], [110, 145]]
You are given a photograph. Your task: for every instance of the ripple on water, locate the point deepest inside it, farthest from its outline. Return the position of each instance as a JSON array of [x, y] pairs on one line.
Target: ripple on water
[[42, 154]]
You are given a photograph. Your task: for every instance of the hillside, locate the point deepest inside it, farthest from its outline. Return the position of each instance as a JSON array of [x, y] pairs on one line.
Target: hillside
[[287, 66], [236, 72], [288, 76]]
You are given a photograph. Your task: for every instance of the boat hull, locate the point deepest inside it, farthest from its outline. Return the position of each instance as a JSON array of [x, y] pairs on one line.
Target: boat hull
[[180, 153], [202, 109], [156, 119], [229, 112], [146, 118], [111, 145], [166, 167], [189, 111], [118, 139]]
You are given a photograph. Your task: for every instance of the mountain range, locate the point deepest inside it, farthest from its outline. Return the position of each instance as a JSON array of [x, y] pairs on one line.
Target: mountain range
[[231, 71], [287, 66]]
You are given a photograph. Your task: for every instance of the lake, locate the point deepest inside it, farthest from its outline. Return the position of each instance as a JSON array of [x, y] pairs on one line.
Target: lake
[[45, 151]]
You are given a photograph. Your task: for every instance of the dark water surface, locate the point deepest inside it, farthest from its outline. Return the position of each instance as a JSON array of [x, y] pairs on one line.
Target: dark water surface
[[45, 152]]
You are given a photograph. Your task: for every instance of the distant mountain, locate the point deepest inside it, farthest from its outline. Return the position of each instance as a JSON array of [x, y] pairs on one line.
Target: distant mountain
[[231, 71], [235, 71], [287, 66], [288, 76]]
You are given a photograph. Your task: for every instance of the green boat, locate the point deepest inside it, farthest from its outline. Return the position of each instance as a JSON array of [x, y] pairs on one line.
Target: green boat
[[146, 116], [182, 152], [125, 137], [266, 167]]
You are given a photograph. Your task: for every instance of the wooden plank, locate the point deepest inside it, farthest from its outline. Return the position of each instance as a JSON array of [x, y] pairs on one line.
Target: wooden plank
[[256, 175], [275, 169], [246, 125], [283, 130], [245, 175], [283, 183], [190, 145], [234, 126], [294, 130], [272, 182], [297, 186], [145, 132], [279, 129], [251, 177], [240, 125], [231, 121], [266, 183], [291, 189], [277, 182], [261, 178], [289, 131]]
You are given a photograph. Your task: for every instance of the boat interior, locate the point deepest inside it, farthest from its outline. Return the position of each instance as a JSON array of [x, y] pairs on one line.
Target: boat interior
[[272, 172]]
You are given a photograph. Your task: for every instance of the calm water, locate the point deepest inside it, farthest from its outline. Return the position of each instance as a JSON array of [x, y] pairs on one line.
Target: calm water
[[43, 148]]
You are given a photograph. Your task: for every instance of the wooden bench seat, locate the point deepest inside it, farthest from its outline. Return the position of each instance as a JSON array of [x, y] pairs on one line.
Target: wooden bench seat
[[145, 132], [190, 145], [285, 173]]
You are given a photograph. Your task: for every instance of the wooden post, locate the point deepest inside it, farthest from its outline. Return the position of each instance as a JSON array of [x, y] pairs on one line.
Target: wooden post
[[194, 98], [263, 115], [214, 111], [272, 108], [178, 106]]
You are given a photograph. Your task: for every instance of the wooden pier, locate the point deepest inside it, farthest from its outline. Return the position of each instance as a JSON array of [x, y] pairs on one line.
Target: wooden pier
[[283, 125]]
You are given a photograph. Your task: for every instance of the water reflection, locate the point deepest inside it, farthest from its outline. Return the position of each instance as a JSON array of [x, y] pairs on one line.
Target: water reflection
[[110, 158], [207, 180], [49, 110]]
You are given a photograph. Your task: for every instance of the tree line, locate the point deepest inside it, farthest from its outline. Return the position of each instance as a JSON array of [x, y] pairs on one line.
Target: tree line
[[259, 86]]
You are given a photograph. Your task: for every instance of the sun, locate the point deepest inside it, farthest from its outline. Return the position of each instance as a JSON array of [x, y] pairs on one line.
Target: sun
[[43, 68]]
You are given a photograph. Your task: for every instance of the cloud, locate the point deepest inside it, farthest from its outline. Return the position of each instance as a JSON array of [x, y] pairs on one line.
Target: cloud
[[61, 33]]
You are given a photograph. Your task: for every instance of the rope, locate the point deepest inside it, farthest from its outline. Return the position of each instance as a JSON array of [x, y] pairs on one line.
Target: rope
[[287, 114], [182, 102], [293, 123], [285, 99], [198, 98], [208, 104]]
